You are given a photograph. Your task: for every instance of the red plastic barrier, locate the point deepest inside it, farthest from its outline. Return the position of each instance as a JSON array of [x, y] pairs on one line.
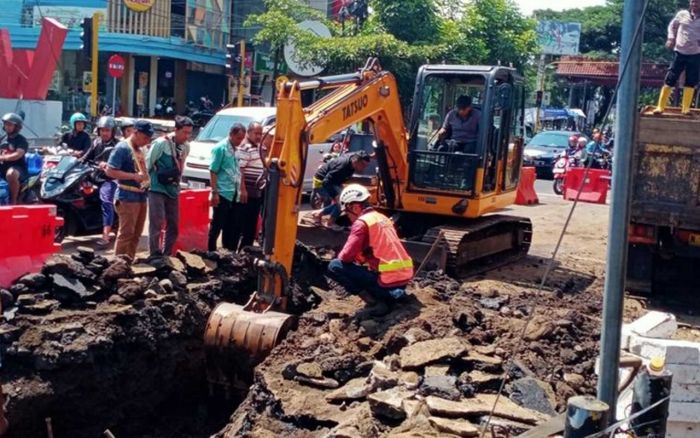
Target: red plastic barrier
[[595, 187], [27, 240], [194, 220], [526, 194]]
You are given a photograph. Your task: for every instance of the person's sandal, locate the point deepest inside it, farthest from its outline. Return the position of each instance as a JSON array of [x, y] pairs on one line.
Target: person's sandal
[[102, 243]]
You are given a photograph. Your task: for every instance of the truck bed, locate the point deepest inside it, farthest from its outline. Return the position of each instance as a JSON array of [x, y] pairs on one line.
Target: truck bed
[[666, 186]]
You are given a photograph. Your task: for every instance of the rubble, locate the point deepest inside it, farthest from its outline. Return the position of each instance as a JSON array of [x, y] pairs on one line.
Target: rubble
[[420, 362], [459, 428], [423, 353]]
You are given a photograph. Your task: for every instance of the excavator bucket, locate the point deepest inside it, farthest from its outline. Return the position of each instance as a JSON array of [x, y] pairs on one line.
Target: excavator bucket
[[233, 328]]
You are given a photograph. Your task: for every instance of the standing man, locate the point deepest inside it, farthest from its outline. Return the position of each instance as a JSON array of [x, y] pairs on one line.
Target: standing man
[[128, 166], [462, 125], [127, 127], [13, 147], [684, 39], [99, 151], [328, 182], [251, 165], [226, 189], [373, 242], [164, 162]]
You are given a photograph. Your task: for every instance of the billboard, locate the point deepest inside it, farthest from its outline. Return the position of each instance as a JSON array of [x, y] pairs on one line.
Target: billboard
[[558, 38]]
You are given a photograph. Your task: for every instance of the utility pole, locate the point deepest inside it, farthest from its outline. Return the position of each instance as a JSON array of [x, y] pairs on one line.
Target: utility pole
[[96, 17], [625, 139], [241, 74]]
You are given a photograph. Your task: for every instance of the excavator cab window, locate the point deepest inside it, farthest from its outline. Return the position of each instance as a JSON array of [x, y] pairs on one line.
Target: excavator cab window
[[437, 161]]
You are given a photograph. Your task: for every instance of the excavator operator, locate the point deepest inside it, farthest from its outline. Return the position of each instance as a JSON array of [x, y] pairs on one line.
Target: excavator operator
[[461, 125], [373, 242]]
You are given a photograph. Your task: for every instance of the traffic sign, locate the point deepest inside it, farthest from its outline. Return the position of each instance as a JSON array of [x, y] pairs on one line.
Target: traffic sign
[[116, 66]]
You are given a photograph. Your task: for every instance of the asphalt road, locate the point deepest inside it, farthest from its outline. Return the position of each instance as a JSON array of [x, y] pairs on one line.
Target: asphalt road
[[542, 187]]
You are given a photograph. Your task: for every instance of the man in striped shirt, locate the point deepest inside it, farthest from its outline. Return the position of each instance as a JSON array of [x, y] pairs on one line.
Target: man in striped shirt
[[684, 39], [251, 166]]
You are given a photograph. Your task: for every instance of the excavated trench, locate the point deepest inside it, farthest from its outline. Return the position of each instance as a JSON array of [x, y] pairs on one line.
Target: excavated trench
[[92, 344]]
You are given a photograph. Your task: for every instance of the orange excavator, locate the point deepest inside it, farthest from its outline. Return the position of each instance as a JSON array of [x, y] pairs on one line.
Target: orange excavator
[[430, 186]]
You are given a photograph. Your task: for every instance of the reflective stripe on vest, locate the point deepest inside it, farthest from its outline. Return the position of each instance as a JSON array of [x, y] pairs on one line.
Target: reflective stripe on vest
[[395, 265]]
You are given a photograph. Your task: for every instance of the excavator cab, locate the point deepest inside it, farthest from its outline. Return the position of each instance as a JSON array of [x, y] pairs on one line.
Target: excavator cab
[[442, 165]]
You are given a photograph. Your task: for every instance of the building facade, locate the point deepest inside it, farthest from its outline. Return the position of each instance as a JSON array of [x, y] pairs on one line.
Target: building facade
[[174, 49]]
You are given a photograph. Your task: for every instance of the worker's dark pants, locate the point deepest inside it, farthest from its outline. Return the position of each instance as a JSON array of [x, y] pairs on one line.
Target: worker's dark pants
[[226, 222], [688, 63], [355, 278], [248, 216]]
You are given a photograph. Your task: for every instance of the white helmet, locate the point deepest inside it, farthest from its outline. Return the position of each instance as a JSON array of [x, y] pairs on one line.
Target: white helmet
[[353, 193]]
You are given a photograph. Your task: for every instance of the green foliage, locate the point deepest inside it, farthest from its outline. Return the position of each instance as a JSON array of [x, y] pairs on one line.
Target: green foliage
[[413, 21], [498, 25], [405, 34]]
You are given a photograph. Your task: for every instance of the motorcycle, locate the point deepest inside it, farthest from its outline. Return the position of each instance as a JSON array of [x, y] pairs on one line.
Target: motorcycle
[[561, 165], [29, 189], [74, 187]]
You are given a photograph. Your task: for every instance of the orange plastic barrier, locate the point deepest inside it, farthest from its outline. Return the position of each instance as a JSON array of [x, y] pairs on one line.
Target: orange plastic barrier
[[526, 194], [595, 187], [193, 230], [27, 239]]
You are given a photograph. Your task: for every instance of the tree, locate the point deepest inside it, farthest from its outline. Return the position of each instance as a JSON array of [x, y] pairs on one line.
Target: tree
[[507, 36], [404, 34], [413, 21]]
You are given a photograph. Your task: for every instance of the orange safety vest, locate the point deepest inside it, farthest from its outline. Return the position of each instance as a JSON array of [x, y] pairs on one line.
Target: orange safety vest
[[395, 265]]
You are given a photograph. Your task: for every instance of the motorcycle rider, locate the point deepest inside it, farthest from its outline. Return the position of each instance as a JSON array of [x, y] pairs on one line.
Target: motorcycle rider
[[13, 147], [77, 139], [594, 150], [107, 139], [573, 145]]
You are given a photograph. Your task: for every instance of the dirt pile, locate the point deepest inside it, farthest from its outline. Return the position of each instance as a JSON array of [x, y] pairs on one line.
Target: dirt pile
[[96, 343], [431, 367]]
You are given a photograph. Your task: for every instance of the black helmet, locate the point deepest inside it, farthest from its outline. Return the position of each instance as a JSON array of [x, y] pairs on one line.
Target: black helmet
[[13, 118], [106, 122]]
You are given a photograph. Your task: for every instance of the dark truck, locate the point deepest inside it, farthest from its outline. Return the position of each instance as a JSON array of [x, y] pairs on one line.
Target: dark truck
[[664, 235]]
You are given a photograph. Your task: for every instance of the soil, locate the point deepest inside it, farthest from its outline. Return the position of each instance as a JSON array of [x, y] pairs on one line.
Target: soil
[[128, 357]]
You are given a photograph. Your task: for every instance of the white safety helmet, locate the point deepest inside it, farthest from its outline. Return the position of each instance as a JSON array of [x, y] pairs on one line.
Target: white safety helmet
[[353, 193]]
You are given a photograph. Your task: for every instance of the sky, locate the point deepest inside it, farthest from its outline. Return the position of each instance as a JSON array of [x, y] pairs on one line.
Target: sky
[[527, 6]]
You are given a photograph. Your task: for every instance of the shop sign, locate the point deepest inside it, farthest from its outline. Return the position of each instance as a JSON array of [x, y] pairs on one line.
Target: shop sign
[[265, 64], [139, 5], [69, 16]]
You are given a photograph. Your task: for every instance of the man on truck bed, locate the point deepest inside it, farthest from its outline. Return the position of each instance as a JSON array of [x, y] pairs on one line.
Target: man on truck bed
[[373, 241], [684, 39]]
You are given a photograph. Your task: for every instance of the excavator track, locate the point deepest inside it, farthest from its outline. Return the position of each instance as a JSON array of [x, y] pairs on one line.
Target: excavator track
[[483, 244]]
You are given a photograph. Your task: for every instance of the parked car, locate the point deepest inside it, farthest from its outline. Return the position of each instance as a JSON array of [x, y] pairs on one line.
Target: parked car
[[544, 149], [196, 172]]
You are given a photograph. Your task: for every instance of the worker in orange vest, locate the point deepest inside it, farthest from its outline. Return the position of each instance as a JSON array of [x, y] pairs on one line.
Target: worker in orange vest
[[373, 263]]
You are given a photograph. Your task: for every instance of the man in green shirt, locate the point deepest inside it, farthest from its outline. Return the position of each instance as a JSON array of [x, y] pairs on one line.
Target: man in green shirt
[[164, 162], [226, 189]]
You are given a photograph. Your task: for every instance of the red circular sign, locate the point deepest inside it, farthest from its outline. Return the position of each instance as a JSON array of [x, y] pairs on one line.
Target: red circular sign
[[116, 66]]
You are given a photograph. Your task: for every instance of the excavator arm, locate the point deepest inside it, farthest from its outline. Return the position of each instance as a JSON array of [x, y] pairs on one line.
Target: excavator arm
[[371, 94]]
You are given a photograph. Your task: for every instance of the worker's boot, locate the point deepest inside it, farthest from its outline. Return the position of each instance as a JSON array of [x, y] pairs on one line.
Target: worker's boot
[[688, 94], [663, 99], [373, 308]]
